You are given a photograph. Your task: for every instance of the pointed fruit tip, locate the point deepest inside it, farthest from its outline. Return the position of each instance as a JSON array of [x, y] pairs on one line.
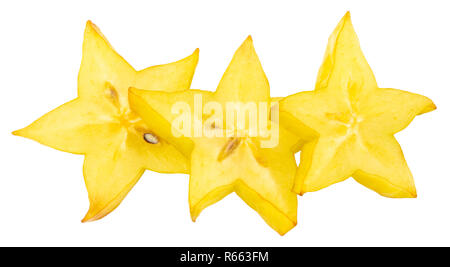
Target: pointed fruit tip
[[92, 215], [284, 231], [88, 218], [433, 106], [247, 44], [194, 214], [248, 41], [345, 24], [20, 132], [195, 54], [347, 17], [428, 108], [298, 189], [90, 24]]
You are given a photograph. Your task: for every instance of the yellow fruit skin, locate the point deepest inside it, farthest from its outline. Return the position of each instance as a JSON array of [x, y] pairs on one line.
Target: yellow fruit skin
[[100, 125], [262, 177], [348, 123]]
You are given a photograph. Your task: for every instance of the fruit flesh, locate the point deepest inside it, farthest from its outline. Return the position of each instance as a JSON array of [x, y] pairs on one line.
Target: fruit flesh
[[100, 124], [348, 123]]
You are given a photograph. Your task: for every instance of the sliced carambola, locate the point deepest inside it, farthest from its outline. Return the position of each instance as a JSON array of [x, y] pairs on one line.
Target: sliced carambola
[[220, 165], [349, 123], [117, 144]]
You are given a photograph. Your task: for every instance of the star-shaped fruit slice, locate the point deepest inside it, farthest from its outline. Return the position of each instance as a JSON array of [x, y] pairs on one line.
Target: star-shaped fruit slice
[[226, 159], [349, 123], [117, 144]]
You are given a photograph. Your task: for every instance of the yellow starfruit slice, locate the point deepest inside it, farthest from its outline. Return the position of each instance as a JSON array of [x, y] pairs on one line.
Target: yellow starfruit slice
[[229, 162], [348, 123], [117, 144]]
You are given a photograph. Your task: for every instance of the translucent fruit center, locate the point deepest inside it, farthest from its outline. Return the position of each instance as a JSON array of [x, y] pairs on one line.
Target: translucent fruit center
[[128, 119], [349, 120]]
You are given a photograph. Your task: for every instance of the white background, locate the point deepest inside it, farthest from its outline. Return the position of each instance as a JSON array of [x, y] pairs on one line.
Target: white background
[[42, 193]]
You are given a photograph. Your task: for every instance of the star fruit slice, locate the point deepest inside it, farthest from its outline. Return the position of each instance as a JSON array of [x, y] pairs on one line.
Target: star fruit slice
[[349, 123], [262, 176], [117, 144]]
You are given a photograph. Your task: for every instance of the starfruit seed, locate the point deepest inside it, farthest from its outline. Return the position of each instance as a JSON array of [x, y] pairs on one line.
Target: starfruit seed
[[151, 138], [229, 147]]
